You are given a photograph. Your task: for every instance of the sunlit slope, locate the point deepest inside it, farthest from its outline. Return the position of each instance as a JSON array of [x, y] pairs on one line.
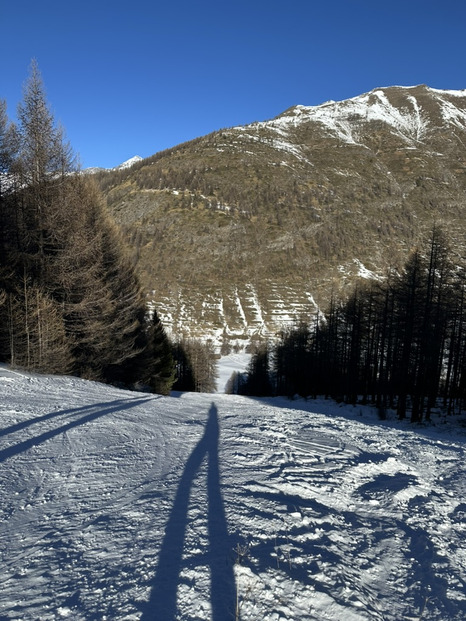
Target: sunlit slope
[[126, 506], [278, 215]]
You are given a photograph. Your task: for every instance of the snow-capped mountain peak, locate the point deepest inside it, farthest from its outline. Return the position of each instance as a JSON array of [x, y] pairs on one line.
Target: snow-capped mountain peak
[[126, 164], [129, 163], [338, 192], [409, 111]]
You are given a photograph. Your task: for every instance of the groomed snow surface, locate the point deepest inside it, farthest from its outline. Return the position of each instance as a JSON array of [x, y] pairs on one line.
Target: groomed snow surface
[[124, 506]]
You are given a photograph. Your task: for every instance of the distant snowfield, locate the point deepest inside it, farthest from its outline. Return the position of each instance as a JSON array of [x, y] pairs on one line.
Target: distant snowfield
[[233, 363], [127, 506]]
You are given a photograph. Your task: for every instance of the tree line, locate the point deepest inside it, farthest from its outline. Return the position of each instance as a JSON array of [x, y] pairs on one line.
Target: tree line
[[399, 343], [70, 298]]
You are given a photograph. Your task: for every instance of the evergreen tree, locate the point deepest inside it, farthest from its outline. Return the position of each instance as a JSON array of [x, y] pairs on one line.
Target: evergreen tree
[[7, 148], [259, 383], [43, 153], [162, 362], [36, 332], [292, 362], [184, 372], [77, 302], [196, 366], [6, 154], [236, 383]]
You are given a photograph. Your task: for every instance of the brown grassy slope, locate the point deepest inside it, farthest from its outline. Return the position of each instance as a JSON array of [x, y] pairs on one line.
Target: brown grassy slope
[[260, 217]]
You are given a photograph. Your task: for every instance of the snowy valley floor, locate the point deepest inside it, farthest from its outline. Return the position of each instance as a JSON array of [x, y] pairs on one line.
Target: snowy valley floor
[[126, 506]]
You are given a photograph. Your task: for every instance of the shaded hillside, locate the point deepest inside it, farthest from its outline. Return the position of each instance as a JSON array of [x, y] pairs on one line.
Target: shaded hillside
[[250, 227]]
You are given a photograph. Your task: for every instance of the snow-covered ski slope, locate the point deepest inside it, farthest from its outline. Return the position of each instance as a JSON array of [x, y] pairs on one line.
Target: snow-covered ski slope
[[121, 506]]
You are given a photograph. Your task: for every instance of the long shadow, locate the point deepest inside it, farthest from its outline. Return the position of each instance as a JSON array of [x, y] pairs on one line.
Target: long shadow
[[59, 413], [336, 410], [162, 605], [112, 406]]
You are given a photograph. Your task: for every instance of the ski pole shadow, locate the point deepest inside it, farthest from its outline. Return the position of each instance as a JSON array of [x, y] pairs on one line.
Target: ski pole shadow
[[162, 605]]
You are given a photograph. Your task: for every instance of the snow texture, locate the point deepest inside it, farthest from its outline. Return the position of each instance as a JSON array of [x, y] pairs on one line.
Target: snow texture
[[128, 506]]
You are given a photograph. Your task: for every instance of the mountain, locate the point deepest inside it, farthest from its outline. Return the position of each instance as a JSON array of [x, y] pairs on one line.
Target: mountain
[[128, 163], [125, 164], [244, 230]]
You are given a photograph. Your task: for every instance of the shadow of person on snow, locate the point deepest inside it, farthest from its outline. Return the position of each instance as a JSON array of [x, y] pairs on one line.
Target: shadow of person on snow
[[162, 605]]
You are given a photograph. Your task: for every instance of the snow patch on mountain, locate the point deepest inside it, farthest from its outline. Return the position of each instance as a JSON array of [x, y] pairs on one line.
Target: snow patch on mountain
[[128, 163], [453, 115], [357, 268], [345, 118], [365, 273], [280, 143], [452, 93], [122, 166], [240, 314]]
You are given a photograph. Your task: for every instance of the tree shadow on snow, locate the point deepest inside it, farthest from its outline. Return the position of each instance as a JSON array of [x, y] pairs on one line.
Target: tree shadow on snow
[[162, 605], [91, 412], [426, 587], [364, 415], [82, 409]]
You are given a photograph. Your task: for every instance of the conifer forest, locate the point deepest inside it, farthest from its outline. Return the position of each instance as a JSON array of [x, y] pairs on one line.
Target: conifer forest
[[70, 298], [399, 343]]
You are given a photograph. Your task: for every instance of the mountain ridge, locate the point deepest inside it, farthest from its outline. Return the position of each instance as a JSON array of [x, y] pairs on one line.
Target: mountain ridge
[[245, 230], [126, 164]]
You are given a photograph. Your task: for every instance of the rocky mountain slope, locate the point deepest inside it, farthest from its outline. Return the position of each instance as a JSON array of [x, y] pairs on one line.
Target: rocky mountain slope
[[249, 228]]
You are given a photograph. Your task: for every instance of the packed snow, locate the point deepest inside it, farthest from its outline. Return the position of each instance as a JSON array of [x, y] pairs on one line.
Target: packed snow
[[120, 505]]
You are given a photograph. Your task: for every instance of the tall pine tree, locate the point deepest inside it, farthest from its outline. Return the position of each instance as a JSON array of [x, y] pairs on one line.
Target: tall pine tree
[[73, 302]]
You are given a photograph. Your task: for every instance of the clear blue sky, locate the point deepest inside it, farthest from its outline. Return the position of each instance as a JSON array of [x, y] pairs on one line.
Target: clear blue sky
[[132, 78]]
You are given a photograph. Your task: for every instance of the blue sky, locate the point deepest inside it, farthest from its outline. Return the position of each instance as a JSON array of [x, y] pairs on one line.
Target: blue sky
[[133, 78]]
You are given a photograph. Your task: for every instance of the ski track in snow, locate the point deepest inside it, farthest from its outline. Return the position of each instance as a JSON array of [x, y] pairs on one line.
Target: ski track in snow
[[127, 506]]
